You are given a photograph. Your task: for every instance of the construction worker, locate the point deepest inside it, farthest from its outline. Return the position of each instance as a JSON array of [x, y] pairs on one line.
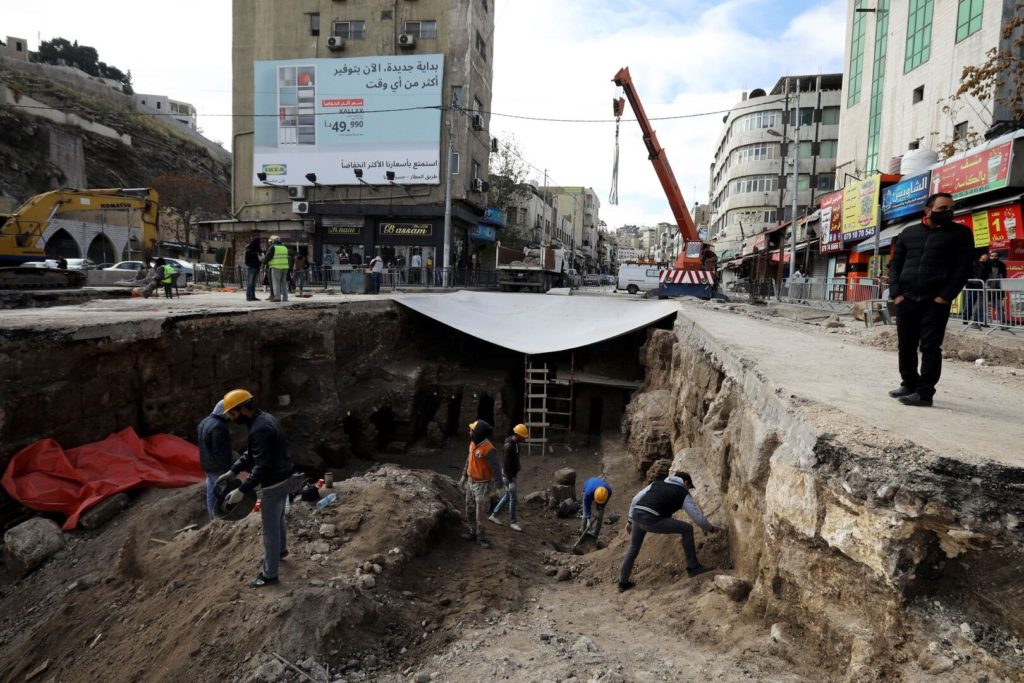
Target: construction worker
[[277, 263], [596, 494], [509, 471], [478, 479], [215, 456], [651, 512], [167, 276], [269, 467]]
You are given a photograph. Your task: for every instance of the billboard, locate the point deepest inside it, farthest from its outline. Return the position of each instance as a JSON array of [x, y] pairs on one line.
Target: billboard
[[334, 117], [831, 240], [860, 209], [994, 227], [906, 197], [983, 171]]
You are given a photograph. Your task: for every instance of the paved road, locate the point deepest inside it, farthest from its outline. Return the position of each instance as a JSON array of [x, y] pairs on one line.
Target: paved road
[[977, 413]]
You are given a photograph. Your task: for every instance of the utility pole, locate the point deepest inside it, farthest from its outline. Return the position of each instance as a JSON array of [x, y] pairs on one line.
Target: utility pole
[[448, 200], [795, 141]]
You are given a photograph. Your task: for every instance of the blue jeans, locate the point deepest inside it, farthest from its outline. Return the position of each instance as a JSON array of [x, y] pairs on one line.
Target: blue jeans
[[375, 283], [300, 281], [510, 498], [251, 274], [275, 538], [211, 499]]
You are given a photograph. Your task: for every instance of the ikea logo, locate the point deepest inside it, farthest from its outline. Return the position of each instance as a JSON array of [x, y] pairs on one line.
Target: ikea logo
[[275, 169]]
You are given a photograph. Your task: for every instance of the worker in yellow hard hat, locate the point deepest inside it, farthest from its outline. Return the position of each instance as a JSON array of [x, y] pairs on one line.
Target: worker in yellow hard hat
[[596, 494], [509, 472]]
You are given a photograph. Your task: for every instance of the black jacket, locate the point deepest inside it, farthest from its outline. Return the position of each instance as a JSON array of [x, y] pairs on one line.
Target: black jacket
[[663, 498], [267, 460], [215, 443], [510, 463], [931, 262], [992, 270]]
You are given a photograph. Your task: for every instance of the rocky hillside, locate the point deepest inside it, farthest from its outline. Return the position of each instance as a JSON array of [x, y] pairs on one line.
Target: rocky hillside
[[61, 130]]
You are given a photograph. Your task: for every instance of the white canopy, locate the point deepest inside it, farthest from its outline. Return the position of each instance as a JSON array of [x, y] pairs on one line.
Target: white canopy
[[535, 323]]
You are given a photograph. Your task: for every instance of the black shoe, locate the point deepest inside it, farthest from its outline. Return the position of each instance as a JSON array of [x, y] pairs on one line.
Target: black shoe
[[915, 399], [469, 537], [625, 586], [284, 554], [699, 569], [901, 391]]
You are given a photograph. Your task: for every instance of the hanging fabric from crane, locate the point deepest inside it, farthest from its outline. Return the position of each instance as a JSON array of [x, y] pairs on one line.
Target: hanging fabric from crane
[[618, 106]]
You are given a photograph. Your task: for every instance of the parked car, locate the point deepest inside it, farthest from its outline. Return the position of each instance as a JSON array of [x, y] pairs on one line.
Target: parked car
[[182, 267], [127, 265], [607, 279], [593, 279], [103, 266], [571, 278], [637, 278], [81, 264]]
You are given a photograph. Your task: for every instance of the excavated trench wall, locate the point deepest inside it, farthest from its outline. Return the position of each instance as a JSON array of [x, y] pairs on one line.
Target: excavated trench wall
[[841, 537]]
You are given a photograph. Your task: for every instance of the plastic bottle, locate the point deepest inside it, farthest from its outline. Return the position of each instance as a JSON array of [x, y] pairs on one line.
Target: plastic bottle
[[326, 501]]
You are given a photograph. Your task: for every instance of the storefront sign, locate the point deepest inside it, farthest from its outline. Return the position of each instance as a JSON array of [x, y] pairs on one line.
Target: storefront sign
[[343, 229], [761, 242], [984, 171], [407, 229], [905, 197], [495, 216], [994, 228], [860, 209], [831, 223], [483, 233]]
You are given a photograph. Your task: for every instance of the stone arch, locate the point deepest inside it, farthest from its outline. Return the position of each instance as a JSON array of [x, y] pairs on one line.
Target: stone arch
[[101, 250], [132, 249], [61, 243]]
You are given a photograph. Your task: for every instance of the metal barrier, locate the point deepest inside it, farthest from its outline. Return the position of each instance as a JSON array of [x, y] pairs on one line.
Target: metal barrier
[[318, 277], [993, 305], [831, 293], [759, 289]]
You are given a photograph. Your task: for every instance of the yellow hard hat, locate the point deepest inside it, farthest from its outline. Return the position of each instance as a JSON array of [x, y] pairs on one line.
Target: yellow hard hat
[[235, 398], [472, 425], [521, 430], [601, 495]]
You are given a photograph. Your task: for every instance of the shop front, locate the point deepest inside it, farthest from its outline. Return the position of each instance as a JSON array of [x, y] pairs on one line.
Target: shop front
[[410, 248]]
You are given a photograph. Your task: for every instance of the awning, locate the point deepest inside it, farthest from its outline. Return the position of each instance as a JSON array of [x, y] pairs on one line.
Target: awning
[[537, 323], [885, 237]]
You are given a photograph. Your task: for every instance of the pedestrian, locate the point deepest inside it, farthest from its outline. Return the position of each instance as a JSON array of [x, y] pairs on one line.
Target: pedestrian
[[167, 277], [974, 292], [415, 264], [215, 455], [300, 271], [276, 261], [651, 512], [269, 467], [510, 467], [478, 480], [156, 275], [253, 255], [376, 267], [343, 258], [996, 271], [929, 267], [596, 494]]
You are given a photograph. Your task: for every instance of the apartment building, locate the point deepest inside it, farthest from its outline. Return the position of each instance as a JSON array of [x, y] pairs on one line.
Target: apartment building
[[752, 174], [581, 207], [344, 112], [903, 63]]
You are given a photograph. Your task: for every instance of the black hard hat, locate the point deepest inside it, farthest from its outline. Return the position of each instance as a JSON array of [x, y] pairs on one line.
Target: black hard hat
[[232, 513]]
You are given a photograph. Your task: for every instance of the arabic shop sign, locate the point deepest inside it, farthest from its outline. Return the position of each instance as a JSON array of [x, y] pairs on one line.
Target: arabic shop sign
[[483, 233], [983, 171], [994, 228], [831, 223], [334, 117], [860, 209], [495, 216], [406, 229], [905, 197]]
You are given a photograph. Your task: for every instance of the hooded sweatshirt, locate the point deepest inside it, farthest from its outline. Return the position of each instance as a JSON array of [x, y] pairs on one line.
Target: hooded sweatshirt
[[482, 463], [215, 442]]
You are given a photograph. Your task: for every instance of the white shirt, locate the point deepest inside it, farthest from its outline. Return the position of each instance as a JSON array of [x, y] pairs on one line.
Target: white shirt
[[377, 264], [416, 261]]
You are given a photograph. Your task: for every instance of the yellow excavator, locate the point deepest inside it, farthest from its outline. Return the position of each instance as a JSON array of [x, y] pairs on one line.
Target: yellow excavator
[[132, 213]]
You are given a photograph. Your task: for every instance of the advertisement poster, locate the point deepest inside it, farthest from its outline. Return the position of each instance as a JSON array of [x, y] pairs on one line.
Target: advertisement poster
[[333, 117], [994, 228], [983, 171], [831, 223], [906, 197], [860, 209]]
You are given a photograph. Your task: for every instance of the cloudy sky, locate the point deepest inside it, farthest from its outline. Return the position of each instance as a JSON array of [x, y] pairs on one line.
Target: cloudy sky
[[553, 60]]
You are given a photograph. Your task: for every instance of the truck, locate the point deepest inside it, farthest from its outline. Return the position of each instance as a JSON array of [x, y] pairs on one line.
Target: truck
[[535, 268], [125, 216], [690, 275]]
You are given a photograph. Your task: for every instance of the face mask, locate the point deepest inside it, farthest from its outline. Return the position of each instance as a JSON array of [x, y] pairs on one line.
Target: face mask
[[942, 217]]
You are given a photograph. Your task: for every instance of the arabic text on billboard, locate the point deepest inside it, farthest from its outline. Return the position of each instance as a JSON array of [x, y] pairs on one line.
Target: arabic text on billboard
[[995, 227], [905, 197], [333, 117], [860, 209], [983, 171], [831, 223]]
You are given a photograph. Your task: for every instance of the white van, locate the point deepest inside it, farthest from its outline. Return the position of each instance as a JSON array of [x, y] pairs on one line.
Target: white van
[[637, 278]]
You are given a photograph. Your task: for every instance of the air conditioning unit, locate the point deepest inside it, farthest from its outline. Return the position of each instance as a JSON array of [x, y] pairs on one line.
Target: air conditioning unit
[[335, 43], [300, 207], [478, 121], [296, 192], [479, 185], [407, 40]]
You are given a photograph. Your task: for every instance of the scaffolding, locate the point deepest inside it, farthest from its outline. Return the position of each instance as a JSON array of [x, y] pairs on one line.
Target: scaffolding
[[547, 404]]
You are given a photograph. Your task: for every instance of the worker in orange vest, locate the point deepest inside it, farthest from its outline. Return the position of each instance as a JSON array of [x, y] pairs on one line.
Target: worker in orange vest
[[479, 479]]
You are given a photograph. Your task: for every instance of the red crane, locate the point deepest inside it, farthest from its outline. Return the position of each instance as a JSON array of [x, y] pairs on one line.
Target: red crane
[[690, 268]]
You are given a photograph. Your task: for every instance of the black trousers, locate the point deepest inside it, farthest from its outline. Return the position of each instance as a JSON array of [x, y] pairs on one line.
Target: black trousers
[[921, 324]]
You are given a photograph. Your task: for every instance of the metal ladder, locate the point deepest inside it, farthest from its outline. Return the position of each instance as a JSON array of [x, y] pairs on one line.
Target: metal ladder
[[547, 405]]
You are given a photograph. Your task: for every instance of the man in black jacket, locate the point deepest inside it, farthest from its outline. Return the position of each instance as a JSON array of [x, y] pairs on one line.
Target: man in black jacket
[[269, 467], [215, 454], [510, 467], [930, 266], [253, 259]]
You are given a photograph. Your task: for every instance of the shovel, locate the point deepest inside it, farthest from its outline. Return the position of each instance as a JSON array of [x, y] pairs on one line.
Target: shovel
[[583, 536]]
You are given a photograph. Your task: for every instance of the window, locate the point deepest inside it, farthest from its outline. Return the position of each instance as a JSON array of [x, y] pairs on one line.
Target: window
[[481, 47], [806, 116], [350, 30], [757, 120], [522, 215], [918, 94], [421, 29], [803, 182], [916, 144], [878, 82], [478, 106], [828, 148], [825, 182], [968, 18], [754, 183], [158, 106], [455, 163], [456, 95], [762, 150], [856, 68], [314, 24], [959, 130], [830, 116], [919, 34], [483, 4]]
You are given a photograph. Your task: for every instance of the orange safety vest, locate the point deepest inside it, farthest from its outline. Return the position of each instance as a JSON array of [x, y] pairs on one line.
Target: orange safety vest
[[477, 466]]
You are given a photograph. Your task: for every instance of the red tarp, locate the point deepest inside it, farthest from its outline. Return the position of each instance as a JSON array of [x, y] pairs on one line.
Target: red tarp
[[46, 477]]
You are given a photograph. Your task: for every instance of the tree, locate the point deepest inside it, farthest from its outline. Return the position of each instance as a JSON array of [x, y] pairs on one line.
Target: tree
[[998, 81], [188, 198], [63, 51], [506, 171]]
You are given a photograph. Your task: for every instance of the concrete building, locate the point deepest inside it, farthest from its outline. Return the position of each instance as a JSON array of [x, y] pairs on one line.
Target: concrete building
[[338, 194], [752, 174], [534, 217], [176, 110], [582, 208], [903, 62], [15, 48]]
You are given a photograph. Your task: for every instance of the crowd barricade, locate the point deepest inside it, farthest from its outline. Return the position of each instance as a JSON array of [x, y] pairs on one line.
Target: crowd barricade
[[833, 293], [758, 289], [319, 277], [993, 305]]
